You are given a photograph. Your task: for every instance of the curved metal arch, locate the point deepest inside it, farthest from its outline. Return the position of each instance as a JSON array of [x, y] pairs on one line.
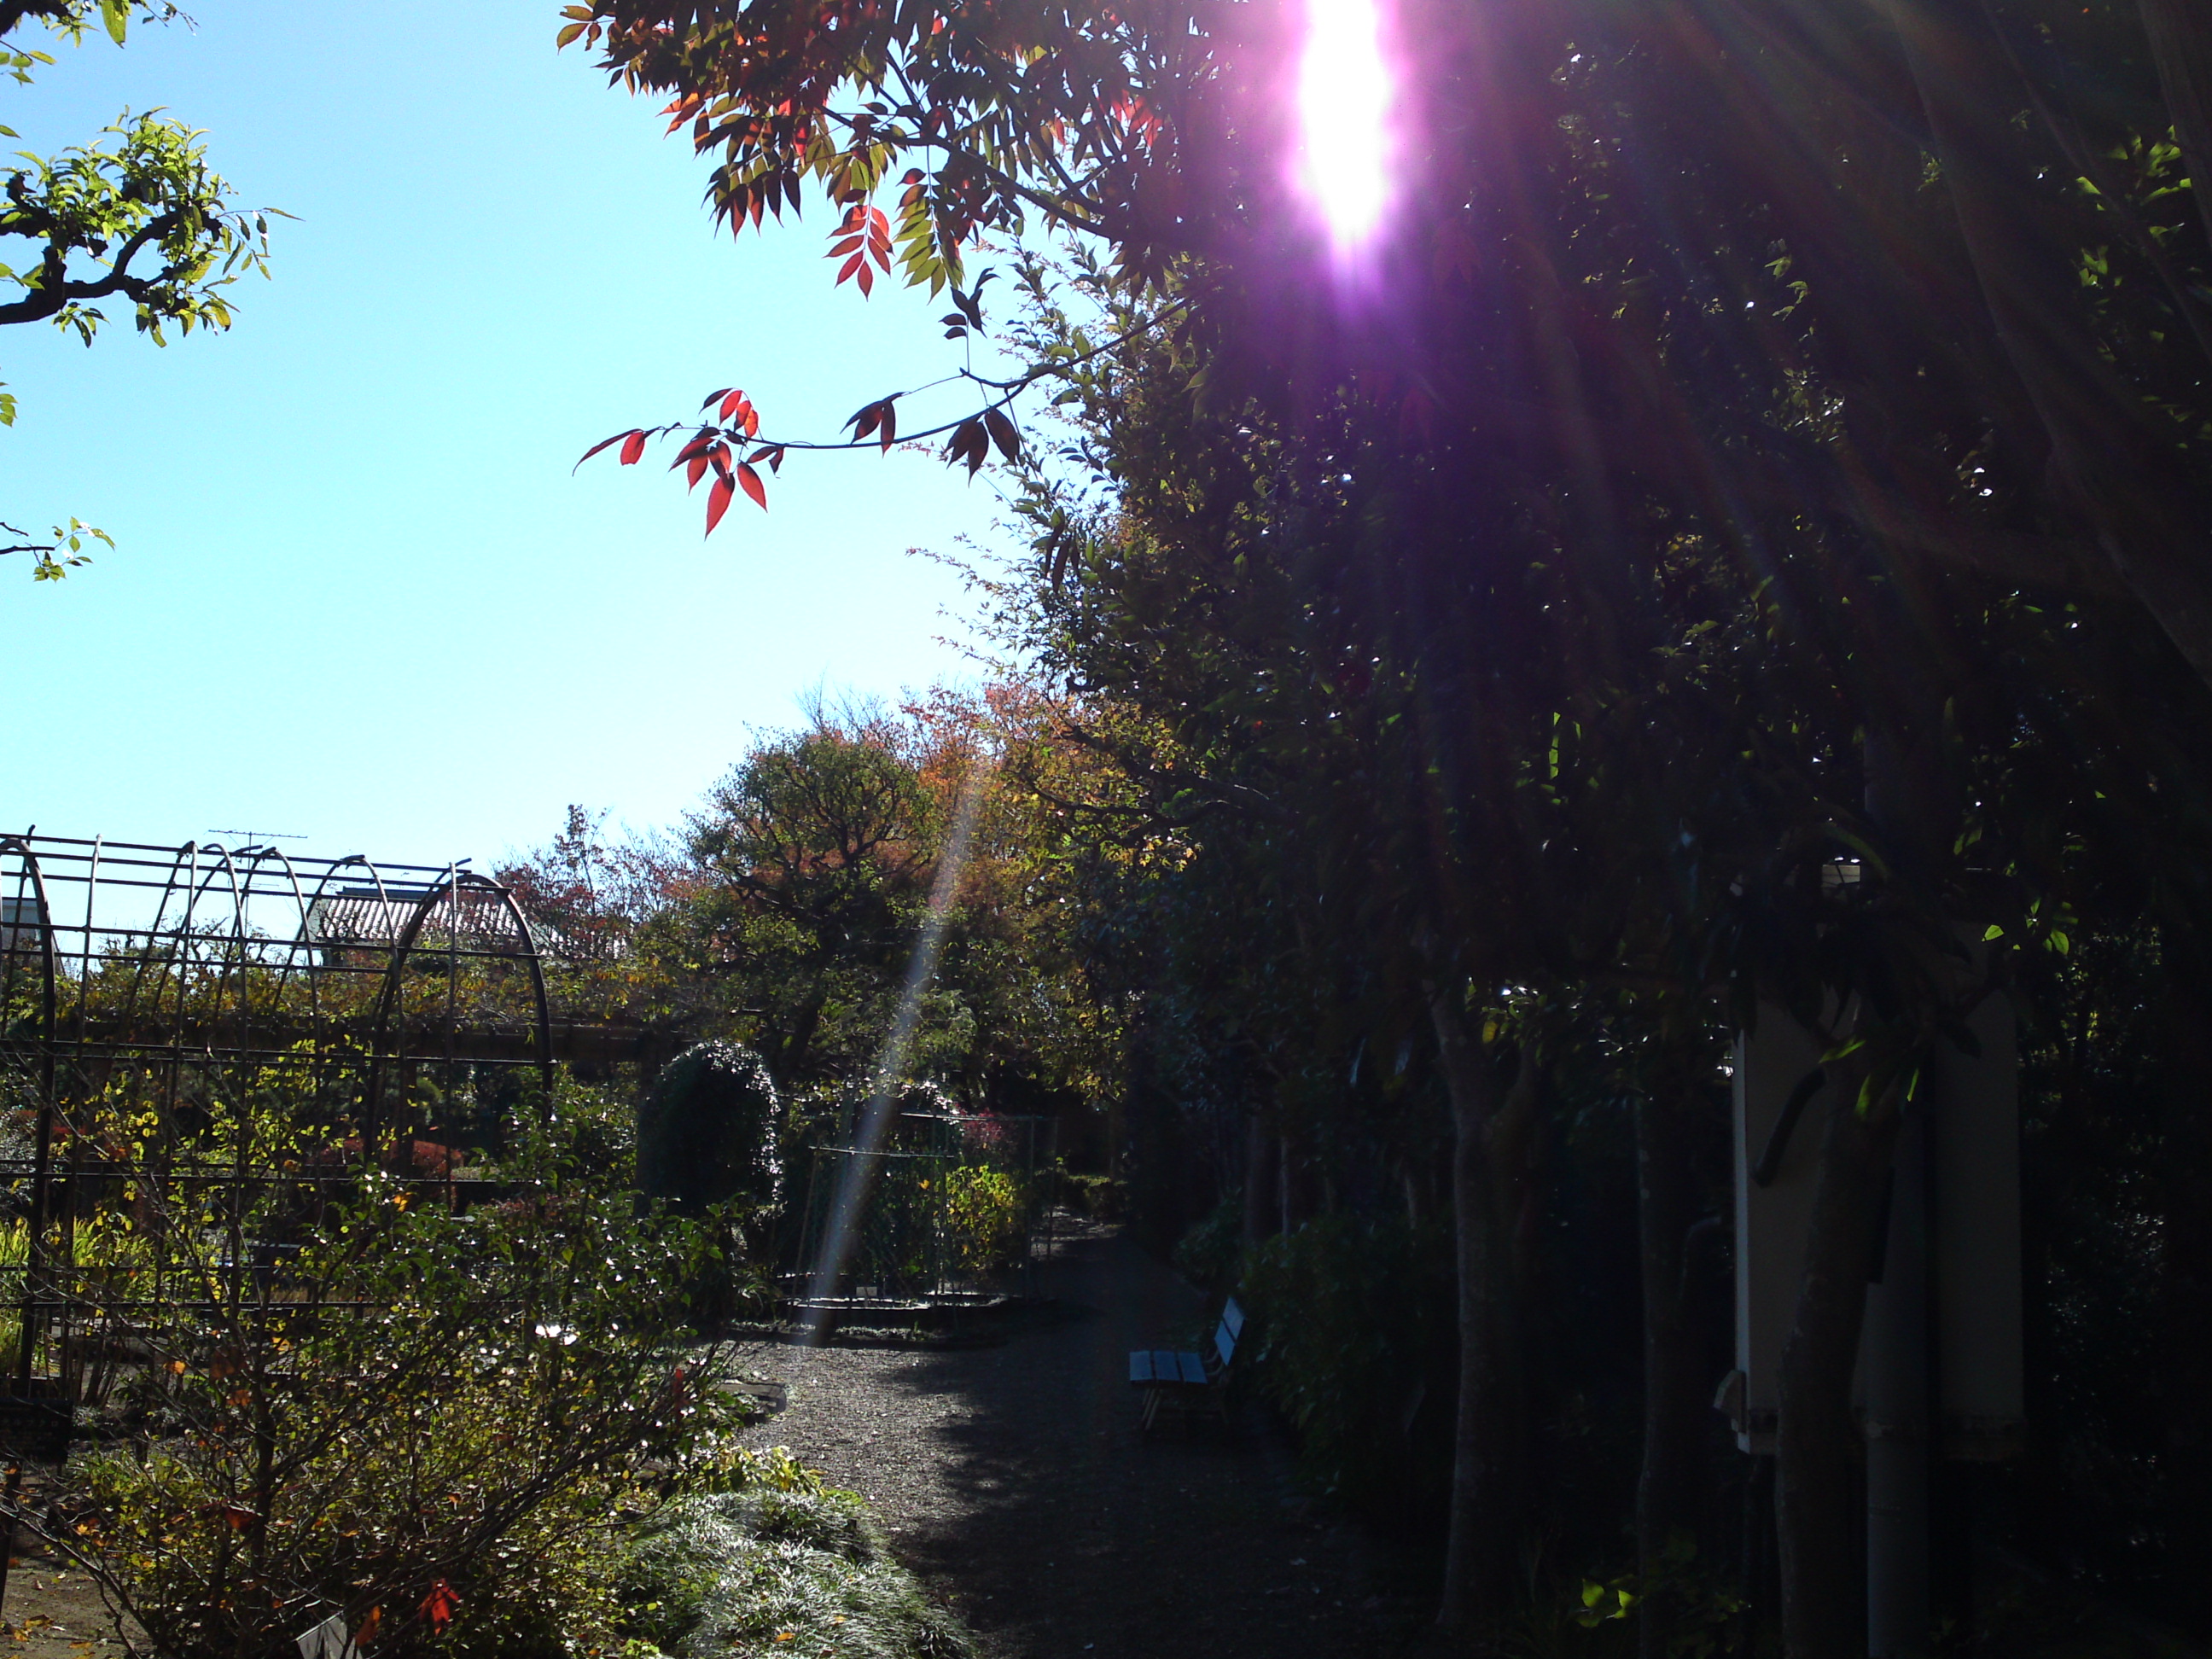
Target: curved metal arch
[[388, 1000], [181, 930], [305, 940], [256, 857], [236, 966]]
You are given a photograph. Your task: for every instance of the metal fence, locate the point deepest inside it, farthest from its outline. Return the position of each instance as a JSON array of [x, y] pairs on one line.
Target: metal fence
[[196, 1039], [953, 1207]]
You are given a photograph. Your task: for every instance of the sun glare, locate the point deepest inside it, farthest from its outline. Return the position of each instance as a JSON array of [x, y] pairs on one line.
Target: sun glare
[[1345, 96]]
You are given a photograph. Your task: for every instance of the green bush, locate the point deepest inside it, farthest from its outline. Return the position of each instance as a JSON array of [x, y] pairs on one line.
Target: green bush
[[1211, 1254], [985, 1215], [1356, 1348], [708, 1132], [1101, 1197]]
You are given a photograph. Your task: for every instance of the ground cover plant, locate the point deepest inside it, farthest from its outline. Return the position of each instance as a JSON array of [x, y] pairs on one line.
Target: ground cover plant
[[777, 1562]]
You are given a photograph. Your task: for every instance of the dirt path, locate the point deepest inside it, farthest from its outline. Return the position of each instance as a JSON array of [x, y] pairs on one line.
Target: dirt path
[[1012, 1479]]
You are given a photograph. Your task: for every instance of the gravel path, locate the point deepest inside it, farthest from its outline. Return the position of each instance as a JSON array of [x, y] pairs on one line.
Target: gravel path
[[1014, 1480]]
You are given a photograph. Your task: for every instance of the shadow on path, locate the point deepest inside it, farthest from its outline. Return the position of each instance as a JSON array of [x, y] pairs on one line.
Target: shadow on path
[[1013, 1479]]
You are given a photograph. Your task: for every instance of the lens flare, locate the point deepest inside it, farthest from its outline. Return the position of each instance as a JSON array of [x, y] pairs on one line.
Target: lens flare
[[1345, 93]]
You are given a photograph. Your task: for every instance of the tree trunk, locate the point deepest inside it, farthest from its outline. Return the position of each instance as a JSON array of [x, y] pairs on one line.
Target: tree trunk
[[1260, 1146], [2185, 1323], [794, 1047], [1675, 1389], [1816, 1440], [1486, 1508]]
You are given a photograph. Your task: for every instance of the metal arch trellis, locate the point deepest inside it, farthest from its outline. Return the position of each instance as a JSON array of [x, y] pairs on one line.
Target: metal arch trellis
[[148, 994]]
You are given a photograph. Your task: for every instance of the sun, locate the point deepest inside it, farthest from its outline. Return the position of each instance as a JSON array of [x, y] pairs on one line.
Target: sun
[[1345, 93]]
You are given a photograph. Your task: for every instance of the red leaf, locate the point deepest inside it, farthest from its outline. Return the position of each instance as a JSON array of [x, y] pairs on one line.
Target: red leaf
[[440, 1605], [968, 445], [857, 263], [731, 402], [604, 443], [1003, 433], [713, 398], [863, 419], [718, 504], [753, 486], [889, 430], [752, 422], [695, 471], [867, 275], [633, 448], [774, 457]]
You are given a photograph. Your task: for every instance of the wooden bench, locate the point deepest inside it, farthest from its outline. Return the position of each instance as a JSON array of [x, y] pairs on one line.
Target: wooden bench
[[1188, 1383]]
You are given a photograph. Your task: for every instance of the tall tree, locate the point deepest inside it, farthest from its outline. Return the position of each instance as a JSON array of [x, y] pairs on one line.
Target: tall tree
[[1680, 279]]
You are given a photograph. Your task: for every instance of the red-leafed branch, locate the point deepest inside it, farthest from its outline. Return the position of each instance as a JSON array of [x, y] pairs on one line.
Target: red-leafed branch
[[730, 445]]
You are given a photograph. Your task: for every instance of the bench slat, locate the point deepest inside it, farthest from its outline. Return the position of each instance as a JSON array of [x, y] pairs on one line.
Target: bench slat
[[1194, 1369], [1140, 1366], [1233, 1316]]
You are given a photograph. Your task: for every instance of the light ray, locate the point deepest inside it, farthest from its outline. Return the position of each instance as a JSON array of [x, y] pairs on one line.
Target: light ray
[[853, 1185]]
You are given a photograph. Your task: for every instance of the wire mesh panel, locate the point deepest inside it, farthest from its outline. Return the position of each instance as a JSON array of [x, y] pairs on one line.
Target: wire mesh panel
[[200, 1048], [951, 1204]]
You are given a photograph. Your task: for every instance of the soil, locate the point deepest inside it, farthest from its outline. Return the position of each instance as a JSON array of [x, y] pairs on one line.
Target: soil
[[1014, 1480], [52, 1612]]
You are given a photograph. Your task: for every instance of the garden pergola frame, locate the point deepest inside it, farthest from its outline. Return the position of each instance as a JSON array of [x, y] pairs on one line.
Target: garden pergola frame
[[161, 987]]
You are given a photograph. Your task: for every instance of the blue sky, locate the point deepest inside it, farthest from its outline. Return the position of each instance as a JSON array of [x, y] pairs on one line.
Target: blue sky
[[358, 595]]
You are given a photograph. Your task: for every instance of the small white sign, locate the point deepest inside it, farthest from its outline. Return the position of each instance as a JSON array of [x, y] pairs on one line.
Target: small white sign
[[328, 1640]]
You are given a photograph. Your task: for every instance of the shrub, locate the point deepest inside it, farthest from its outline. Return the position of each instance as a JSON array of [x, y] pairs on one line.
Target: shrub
[[427, 1423], [707, 1131], [1101, 1197], [1356, 1348], [1212, 1253], [986, 1216]]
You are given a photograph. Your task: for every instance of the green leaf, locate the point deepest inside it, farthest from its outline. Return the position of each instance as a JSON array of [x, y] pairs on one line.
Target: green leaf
[[116, 14], [1992, 932]]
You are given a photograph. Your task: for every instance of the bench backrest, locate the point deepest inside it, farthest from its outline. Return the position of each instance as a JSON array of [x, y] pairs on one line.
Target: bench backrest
[[1225, 1334]]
